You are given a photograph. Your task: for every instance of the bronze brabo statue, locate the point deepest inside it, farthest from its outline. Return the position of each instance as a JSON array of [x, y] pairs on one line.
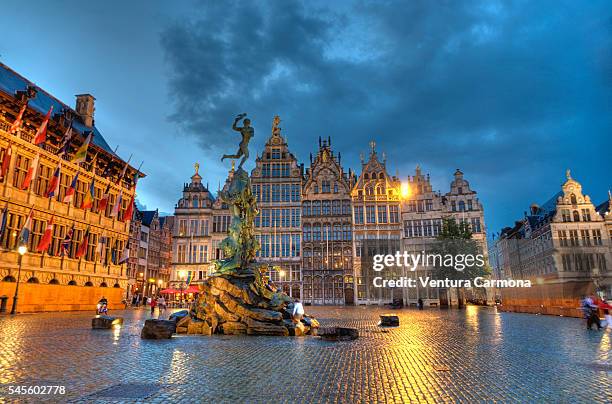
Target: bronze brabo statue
[[238, 297], [247, 133]]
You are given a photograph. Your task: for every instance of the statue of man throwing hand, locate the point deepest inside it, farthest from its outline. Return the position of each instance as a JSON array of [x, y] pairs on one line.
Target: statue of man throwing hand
[[247, 133]]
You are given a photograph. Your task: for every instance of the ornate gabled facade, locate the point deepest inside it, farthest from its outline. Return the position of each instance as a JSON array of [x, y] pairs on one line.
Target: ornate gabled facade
[[563, 246], [192, 240], [376, 200], [221, 218], [327, 242], [423, 210], [52, 279], [277, 185]]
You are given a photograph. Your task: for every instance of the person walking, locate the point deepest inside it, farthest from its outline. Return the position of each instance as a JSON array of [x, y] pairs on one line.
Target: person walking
[[590, 310], [298, 311], [153, 303], [161, 306]]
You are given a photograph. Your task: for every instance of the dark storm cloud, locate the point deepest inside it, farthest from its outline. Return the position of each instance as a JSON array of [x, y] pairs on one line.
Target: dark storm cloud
[[499, 89]]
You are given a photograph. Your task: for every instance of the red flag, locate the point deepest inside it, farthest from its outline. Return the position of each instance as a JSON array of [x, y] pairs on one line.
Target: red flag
[[31, 173], [127, 215], [17, 124], [53, 189], [45, 241], [83, 247], [6, 162], [41, 133]]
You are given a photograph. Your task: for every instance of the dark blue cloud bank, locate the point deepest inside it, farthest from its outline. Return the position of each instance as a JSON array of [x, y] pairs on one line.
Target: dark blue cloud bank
[[513, 93]]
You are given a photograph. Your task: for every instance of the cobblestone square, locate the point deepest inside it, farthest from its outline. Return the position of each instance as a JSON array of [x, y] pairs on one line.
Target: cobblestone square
[[473, 355]]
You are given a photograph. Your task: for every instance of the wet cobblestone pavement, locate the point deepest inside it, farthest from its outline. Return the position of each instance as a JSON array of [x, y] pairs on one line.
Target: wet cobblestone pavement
[[474, 355]]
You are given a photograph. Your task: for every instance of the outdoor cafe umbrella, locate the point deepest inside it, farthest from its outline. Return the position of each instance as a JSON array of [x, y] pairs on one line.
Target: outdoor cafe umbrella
[[192, 289], [169, 291]]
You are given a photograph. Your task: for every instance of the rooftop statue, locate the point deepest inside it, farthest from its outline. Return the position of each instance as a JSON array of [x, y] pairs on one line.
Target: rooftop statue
[[247, 133]]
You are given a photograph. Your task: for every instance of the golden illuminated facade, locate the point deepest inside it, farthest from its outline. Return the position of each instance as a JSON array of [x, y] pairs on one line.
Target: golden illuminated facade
[[277, 184], [327, 229], [52, 279], [376, 199], [192, 239], [423, 211]]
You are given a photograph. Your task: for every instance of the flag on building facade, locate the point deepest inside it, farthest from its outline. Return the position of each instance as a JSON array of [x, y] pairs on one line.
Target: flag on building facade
[[117, 207], [88, 200], [67, 242], [81, 154], [70, 191], [4, 220], [125, 256], [129, 211], [53, 189], [24, 235], [104, 201], [17, 124], [82, 250], [47, 237], [6, 161], [190, 276], [100, 250], [63, 149], [41, 133], [31, 173], [125, 169]]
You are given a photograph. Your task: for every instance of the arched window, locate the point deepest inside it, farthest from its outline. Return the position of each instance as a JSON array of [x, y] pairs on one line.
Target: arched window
[[103, 285], [576, 216], [306, 208], [33, 280], [573, 199], [88, 283], [9, 278], [381, 176], [366, 176], [72, 283], [54, 282], [116, 285], [369, 191]]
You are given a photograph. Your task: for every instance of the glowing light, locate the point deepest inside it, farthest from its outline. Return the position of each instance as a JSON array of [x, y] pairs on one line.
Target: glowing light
[[405, 190], [281, 273], [22, 249], [182, 274]]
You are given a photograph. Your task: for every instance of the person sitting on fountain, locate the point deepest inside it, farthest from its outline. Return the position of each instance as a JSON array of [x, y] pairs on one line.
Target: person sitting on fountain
[[298, 311]]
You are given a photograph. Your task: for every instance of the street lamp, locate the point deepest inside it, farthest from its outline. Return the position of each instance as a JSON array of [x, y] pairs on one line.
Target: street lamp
[[182, 276], [405, 189], [21, 250]]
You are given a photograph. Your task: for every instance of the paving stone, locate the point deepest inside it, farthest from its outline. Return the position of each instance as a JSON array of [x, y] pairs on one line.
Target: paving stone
[[475, 355]]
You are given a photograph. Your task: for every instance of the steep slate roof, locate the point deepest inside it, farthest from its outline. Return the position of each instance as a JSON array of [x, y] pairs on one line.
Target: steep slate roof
[[551, 204], [603, 208], [11, 81], [147, 216]]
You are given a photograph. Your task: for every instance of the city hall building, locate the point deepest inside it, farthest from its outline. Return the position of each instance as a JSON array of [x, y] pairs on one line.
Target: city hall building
[[51, 183]]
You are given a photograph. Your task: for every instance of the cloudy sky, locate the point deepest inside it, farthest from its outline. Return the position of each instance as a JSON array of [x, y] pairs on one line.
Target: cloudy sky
[[513, 93]]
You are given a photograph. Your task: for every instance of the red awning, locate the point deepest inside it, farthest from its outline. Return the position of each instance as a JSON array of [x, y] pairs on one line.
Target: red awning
[[192, 289], [169, 291]]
